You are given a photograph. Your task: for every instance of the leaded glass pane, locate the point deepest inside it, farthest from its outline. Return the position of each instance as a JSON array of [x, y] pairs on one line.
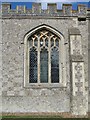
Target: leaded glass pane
[[44, 66], [52, 42], [41, 42], [46, 42], [36, 42], [57, 42], [54, 65], [33, 66]]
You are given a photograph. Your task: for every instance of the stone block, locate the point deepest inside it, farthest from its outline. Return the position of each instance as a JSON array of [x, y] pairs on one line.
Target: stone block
[[82, 9], [52, 8], [21, 9], [6, 7], [67, 9], [36, 8]]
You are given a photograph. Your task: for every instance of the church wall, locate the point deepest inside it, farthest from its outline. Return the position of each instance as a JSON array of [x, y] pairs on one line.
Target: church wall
[[17, 98], [37, 100]]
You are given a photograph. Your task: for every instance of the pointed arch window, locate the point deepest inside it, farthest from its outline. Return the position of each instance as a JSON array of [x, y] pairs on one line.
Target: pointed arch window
[[43, 60]]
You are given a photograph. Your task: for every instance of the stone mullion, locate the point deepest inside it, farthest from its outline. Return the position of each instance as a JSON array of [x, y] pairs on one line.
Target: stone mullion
[[49, 61], [38, 60]]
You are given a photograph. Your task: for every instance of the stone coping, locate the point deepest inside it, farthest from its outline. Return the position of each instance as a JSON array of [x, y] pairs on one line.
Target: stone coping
[[50, 11]]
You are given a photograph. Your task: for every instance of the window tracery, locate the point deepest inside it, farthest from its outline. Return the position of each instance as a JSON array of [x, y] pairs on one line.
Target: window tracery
[[44, 57]]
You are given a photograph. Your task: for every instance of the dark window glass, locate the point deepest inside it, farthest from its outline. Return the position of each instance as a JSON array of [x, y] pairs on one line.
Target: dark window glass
[[44, 66], [36, 42], [41, 42], [82, 19], [54, 65], [52, 42], [46, 42], [33, 66], [57, 42]]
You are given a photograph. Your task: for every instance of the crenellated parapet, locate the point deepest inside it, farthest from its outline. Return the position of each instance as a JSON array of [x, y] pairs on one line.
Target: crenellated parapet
[[50, 11]]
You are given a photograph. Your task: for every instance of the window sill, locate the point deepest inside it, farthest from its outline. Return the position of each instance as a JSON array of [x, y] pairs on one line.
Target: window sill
[[44, 85]]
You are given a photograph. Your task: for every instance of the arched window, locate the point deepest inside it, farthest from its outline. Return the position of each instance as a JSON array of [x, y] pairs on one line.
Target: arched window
[[43, 63]]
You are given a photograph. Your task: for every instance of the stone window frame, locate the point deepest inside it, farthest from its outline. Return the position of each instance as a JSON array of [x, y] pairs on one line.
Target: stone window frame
[[62, 81]]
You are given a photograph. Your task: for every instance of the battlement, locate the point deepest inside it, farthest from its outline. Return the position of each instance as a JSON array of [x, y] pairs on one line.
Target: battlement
[[51, 10]]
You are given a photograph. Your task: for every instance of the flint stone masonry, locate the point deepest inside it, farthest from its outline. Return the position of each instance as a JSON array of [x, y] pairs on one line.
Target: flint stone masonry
[[89, 58], [0, 66], [15, 26]]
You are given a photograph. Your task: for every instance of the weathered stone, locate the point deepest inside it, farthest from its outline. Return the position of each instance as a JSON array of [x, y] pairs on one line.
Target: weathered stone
[[44, 98]]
